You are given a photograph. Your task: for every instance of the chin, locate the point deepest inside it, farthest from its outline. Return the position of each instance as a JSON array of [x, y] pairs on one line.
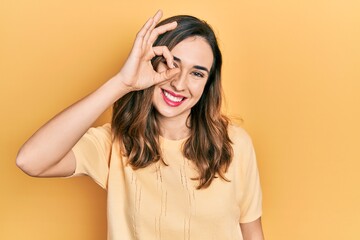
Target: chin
[[170, 114], [174, 113]]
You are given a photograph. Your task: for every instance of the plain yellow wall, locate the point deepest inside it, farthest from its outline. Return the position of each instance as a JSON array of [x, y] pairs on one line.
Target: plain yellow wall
[[291, 71]]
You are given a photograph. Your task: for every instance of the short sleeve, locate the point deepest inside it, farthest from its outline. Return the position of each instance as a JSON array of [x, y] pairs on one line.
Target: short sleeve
[[92, 153], [249, 188]]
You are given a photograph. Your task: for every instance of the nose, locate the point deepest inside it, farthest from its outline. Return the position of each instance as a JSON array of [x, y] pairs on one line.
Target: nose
[[179, 82]]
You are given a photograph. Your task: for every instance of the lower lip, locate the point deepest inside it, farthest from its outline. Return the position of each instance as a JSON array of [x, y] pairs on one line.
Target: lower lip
[[171, 103]]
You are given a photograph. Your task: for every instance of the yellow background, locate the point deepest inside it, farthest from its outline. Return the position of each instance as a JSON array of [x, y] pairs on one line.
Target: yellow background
[[291, 72]]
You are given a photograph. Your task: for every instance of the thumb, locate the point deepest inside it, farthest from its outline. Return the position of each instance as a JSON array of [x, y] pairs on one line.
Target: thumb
[[166, 75]]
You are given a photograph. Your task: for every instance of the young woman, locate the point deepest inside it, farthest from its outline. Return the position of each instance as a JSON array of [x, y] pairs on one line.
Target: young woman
[[173, 166]]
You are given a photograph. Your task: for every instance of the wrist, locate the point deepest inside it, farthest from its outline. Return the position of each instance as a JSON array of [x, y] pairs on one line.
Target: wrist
[[118, 86]]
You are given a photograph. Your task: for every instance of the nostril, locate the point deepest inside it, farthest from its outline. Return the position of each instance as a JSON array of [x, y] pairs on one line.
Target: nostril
[[178, 83]]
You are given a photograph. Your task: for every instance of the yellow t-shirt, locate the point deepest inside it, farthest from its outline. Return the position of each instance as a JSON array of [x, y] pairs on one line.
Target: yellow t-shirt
[[162, 202]]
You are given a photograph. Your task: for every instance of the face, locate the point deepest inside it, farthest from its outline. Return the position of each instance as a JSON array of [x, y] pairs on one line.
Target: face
[[175, 98]]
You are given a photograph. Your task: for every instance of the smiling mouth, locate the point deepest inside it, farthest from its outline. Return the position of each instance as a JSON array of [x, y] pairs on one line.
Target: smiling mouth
[[172, 99]]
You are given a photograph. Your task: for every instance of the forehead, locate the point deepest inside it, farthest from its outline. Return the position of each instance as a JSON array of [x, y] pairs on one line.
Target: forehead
[[194, 51]]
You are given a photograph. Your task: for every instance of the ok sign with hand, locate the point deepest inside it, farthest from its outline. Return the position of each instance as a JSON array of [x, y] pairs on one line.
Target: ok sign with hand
[[138, 72]]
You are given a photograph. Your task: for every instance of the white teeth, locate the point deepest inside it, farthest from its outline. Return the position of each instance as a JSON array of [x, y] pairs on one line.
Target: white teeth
[[173, 98]]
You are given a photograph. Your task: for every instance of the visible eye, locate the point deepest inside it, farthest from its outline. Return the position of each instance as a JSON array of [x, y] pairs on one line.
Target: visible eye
[[162, 60], [198, 74]]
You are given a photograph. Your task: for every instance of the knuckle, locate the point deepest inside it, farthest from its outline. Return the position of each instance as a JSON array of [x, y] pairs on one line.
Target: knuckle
[[140, 34], [155, 31]]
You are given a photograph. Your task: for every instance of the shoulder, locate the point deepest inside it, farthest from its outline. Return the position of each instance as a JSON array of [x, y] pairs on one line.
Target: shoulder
[[239, 136], [106, 128], [103, 129], [101, 133], [243, 150]]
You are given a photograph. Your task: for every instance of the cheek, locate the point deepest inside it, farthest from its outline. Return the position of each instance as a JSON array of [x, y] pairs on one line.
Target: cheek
[[197, 88], [156, 93]]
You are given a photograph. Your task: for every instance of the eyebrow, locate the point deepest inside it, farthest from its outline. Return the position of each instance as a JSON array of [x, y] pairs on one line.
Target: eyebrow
[[196, 66]]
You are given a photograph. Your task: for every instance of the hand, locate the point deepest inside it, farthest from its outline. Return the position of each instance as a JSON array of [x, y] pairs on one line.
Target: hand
[[138, 72]]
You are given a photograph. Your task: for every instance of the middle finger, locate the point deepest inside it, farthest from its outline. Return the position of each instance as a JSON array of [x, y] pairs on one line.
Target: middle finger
[[160, 30]]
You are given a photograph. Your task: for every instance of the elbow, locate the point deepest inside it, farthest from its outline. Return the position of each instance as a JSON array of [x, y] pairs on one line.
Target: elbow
[[24, 162]]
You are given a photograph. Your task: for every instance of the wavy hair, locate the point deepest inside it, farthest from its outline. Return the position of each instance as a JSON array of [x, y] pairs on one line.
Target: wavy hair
[[134, 117]]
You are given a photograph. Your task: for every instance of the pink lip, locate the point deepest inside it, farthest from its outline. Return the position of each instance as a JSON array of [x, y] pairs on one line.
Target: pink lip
[[168, 101]]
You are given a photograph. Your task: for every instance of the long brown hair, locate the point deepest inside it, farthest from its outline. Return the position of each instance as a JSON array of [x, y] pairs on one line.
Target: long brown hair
[[209, 146]]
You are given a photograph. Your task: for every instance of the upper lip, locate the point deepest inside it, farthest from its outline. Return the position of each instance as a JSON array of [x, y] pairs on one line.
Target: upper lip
[[174, 94]]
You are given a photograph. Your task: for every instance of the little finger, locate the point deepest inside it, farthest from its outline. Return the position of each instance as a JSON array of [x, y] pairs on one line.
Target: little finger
[[141, 34], [156, 18]]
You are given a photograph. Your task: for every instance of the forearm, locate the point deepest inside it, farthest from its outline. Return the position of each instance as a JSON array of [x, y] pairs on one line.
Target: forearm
[[252, 230], [52, 142], [56, 138]]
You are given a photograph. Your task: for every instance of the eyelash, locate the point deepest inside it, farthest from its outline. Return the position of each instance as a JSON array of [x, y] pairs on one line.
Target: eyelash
[[198, 74]]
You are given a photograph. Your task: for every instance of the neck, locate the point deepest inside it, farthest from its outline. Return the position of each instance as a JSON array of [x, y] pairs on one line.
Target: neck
[[173, 128]]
